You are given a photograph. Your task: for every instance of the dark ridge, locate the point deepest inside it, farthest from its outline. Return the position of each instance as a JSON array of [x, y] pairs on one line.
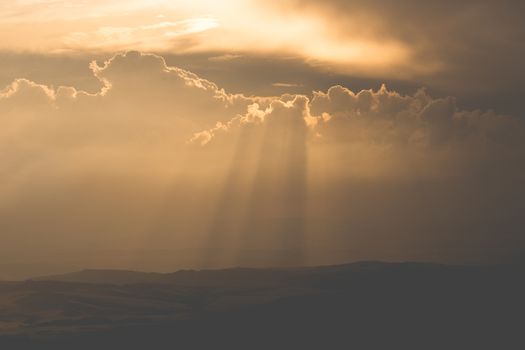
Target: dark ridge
[[366, 305]]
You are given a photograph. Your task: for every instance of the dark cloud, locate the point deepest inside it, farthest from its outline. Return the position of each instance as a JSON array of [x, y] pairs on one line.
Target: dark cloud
[[476, 45]]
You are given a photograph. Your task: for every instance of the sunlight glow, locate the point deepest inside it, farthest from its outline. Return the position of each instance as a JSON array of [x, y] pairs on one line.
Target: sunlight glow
[[189, 26]]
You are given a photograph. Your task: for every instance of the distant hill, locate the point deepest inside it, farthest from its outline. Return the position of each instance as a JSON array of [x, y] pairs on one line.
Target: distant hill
[[368, 305], [231, 276], [118, 277]]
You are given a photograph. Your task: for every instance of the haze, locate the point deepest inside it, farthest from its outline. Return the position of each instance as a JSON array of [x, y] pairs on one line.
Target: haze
[[160, 135]]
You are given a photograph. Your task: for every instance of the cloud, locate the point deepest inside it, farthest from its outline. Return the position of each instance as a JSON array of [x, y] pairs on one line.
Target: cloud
[[133, 85], [387, 119], [160, 157], [286, 85], [156, 36], [188, 26], [224, 58], [444, 45], [139, 121], [408, 119], [448, 39], [161, 113]]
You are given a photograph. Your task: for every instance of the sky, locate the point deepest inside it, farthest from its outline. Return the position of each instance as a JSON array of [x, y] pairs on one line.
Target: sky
[[159, 135]]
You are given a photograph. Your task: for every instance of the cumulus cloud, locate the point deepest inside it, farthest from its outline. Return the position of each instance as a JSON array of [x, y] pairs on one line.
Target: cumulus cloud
[[142, 102], [383, 119], [160, 157], [410, 120]]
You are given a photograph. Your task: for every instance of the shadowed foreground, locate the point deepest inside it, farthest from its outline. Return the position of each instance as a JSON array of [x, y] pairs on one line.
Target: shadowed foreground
[[361, 306]]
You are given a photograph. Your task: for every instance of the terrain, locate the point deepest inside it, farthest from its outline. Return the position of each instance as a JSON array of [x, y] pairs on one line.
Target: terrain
[[367, 305]]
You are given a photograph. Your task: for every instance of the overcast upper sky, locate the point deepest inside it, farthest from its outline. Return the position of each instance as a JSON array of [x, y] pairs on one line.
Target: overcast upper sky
[[158, 135]]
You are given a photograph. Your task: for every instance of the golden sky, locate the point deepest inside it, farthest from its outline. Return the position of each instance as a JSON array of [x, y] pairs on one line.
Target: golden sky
[[167, 134], [194, 26]]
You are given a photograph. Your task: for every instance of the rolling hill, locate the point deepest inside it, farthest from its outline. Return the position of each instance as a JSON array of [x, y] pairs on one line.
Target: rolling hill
[[363, 305]]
